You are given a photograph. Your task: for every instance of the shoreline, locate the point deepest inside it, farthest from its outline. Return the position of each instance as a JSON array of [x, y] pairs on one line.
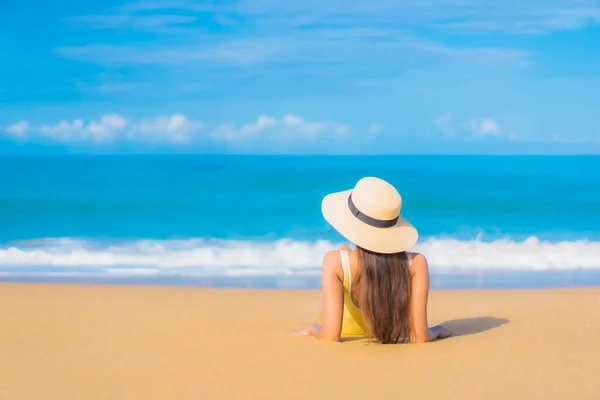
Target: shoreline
[[154, 342], [454, 280], [253, 289]]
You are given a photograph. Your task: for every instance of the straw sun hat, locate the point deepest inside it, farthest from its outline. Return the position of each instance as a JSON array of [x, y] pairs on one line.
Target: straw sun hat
[[369, 216]]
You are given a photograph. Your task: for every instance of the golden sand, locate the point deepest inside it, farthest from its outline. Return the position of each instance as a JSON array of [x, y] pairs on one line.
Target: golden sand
[[127, 342]]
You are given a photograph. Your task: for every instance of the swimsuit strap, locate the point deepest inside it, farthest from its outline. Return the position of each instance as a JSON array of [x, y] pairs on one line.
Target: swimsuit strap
[[346, 266], [347, 275]]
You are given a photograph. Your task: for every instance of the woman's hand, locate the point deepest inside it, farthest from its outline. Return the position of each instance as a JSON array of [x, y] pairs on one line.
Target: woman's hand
[[439, 332], [311, 330]]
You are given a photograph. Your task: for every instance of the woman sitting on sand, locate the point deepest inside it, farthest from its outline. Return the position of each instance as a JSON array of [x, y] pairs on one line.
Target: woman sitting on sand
[[379, 290]]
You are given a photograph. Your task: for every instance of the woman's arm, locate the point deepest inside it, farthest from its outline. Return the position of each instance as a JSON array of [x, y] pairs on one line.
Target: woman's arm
[[419, 329], [332, 300]]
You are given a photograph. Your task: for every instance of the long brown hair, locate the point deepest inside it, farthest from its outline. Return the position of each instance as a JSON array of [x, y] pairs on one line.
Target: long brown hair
[[384, 282]]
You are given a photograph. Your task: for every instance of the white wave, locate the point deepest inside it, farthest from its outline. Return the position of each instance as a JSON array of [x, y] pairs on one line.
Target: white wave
[[229, 257]]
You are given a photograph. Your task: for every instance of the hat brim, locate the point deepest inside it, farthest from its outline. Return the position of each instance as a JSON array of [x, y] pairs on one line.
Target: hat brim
[[395, 239]]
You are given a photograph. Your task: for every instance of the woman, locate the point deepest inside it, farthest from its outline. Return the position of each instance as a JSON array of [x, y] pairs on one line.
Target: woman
[[379, 290]]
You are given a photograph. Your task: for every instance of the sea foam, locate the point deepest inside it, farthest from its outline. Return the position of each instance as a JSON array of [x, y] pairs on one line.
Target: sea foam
[[215, 257]]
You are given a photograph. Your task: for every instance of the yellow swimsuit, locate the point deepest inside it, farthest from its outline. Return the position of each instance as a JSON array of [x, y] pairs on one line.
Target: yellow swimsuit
[[352, 321]]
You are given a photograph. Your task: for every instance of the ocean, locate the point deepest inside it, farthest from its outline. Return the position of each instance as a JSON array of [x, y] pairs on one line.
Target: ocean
[[255, 221]]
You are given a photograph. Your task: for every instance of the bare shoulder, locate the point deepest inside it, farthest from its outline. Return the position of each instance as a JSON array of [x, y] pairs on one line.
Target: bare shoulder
[[332, 263], [419, 264]]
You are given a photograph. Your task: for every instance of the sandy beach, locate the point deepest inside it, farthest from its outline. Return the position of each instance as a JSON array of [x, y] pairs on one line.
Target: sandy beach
[[129, 342]]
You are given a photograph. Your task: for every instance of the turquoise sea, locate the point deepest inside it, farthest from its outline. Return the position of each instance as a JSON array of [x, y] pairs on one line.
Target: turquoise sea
[[484, 221]]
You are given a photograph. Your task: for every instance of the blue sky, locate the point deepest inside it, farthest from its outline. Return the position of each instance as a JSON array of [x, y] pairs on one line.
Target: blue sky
[[315, 76]]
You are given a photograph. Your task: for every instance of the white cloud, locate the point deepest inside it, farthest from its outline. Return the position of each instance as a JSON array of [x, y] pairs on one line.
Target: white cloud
[[178, 129], [312, 47], [114, 87], [104, 130], [354, 35], [286, 128], [586, 138], [374, 130], [445, 125], [163, 23], [19, 129], [522, 16], [472, 128], [175, 129], [483, 127]]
